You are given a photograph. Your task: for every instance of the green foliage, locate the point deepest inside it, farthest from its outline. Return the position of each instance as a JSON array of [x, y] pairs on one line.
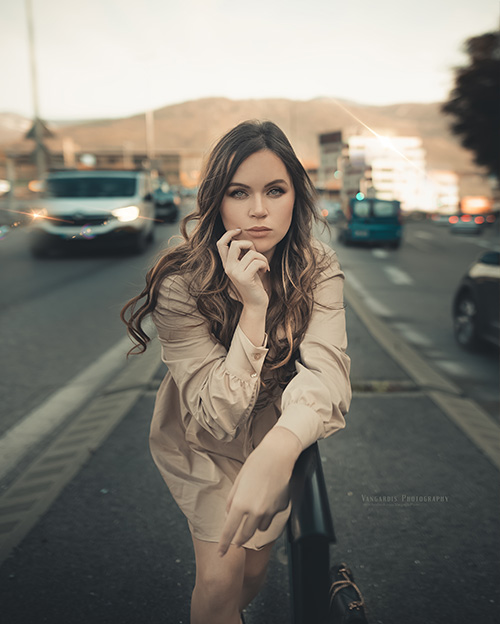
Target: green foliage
[[475, 101]]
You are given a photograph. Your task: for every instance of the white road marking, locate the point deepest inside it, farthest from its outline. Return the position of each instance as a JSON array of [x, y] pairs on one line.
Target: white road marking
[[355, 283], [452, 367], [377, 307], [20, 439], [374, 305], [423, 234], [411, 334], [380, 253], [397, 276]]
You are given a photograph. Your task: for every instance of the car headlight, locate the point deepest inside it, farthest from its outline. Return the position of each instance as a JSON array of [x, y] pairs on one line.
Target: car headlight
[[127, 213], [39, 214]]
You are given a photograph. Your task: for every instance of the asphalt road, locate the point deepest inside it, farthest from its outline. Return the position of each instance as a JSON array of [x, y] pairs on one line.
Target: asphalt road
[[412, 289], [414, 501], [57, 316]]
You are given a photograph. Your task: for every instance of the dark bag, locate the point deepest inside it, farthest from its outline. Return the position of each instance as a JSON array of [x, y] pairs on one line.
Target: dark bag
[[347, 605]]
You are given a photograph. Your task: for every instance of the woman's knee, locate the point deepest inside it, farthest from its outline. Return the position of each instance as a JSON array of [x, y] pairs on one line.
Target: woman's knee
[[219, 585], [256, 564], [219, 579]]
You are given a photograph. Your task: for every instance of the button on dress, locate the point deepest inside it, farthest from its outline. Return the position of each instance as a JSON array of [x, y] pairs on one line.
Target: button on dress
[[210, 411]]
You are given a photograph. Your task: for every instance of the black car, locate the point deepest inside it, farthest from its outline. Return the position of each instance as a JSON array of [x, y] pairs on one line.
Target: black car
[[476, 305], [167, 203]]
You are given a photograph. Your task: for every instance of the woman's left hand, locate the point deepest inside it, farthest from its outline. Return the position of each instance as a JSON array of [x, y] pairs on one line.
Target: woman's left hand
[[261, 488]]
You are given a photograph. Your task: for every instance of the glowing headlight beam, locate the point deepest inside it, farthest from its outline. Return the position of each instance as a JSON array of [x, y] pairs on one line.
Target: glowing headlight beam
[[36, 215], [385, 141]]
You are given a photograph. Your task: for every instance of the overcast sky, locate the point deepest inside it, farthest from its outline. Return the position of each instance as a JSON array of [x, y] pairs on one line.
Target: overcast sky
[[111, 58]]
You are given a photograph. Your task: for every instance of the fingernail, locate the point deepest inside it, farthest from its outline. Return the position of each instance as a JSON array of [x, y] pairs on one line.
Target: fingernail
[[238, 229]]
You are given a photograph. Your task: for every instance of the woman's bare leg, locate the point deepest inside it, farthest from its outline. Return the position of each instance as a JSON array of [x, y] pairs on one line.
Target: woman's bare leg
[[256, 563], [219, 582]]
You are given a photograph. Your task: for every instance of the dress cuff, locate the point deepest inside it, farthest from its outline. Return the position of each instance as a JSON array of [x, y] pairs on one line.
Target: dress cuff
[[303, 421], [244, 359]]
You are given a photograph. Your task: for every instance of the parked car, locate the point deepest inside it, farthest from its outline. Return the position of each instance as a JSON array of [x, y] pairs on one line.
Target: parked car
[[331, 210], [372, 221], [476, 304], [441, 219], [91, 207], [467, 224], [167, 202]]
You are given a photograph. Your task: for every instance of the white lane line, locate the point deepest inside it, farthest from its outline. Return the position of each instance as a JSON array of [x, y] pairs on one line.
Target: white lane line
[[453, 368], [397, 276], [412, 335], [380, 253], [20, 439], [375, 306], [424, 235], [32, 493]]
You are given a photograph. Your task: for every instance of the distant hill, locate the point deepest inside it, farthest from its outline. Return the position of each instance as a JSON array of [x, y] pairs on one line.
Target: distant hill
[[196, 124]]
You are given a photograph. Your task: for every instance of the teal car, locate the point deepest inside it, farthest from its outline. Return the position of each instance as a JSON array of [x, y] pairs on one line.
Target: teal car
[[372, 221]]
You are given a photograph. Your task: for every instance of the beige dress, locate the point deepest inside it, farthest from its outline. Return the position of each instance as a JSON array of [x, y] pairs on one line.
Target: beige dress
[[208, 415]]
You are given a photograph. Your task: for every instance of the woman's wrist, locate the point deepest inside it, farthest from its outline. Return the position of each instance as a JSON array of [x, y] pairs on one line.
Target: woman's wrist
[[253, 323], [284, 445]]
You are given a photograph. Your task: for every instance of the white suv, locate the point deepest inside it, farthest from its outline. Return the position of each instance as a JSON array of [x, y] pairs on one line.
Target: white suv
[[90, 207]]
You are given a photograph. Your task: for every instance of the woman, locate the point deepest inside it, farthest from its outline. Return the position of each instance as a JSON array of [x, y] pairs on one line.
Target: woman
[[250, 318]]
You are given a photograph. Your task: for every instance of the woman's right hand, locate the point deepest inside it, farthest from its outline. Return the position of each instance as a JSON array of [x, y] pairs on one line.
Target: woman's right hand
[[245, 267]]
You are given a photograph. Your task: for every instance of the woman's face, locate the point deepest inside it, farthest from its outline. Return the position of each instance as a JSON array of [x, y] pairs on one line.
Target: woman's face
[[260, 200]]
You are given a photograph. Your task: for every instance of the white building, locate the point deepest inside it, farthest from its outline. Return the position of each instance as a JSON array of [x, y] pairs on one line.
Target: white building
[[388, 167], [397, 166]]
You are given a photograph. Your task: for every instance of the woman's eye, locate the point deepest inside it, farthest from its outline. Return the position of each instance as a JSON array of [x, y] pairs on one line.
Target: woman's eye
[[276, 192], [238, 194]]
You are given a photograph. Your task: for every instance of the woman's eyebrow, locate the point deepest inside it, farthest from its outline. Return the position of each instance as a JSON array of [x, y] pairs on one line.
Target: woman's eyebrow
[[279, 181], [238, 184]]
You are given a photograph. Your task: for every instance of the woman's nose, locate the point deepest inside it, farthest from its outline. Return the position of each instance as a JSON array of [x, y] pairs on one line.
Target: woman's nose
[[258, 206]]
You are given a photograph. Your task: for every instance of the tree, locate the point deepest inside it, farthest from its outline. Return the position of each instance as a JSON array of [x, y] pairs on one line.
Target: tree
[[475, 101]]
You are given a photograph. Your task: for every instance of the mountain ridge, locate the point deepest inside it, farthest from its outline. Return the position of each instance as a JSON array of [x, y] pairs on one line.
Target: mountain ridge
[[194, 125]]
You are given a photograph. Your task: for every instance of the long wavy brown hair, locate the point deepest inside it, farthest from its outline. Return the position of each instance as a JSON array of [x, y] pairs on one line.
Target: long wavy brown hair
[[295, 266]]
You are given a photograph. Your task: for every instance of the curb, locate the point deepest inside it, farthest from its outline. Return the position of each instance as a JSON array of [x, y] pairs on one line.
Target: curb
[[465, 413]]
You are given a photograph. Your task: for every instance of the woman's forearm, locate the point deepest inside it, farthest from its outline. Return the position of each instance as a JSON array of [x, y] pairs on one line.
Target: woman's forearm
[[253, 323]]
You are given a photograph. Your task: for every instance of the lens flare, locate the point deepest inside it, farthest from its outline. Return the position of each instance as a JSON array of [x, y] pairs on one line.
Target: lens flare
[[87, 233], [385, 141]]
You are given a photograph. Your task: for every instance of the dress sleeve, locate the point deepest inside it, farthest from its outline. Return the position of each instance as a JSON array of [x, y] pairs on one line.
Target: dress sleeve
[[315, 401], [218, 386]]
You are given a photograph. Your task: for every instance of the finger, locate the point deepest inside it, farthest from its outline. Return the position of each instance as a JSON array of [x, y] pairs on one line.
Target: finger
[[254, 256], [246, 530], [236, 247], [231, 495], [256, 268], [231, 525], [265, 523], [224, 242]]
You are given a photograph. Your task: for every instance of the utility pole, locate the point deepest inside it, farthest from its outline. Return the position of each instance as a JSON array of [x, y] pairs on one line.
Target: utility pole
[[150, 137], [41, 164]]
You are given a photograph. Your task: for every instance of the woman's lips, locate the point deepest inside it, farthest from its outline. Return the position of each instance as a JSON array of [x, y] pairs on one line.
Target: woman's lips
[[259, 232]]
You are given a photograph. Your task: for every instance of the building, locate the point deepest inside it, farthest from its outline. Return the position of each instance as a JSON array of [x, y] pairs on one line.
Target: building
[[388, 167], [18, 161]]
